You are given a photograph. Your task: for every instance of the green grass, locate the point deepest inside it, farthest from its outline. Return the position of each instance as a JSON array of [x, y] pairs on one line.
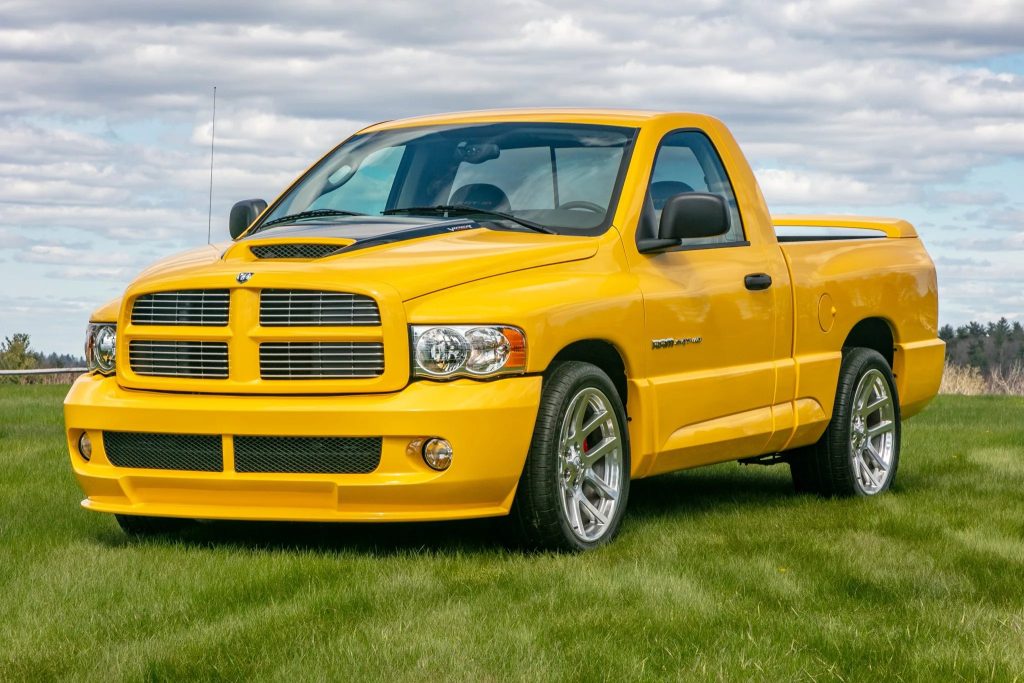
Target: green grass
[[720, 573]]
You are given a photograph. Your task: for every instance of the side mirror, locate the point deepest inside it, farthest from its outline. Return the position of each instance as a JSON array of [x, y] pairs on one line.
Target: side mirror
[[243, 213], [689, 215]]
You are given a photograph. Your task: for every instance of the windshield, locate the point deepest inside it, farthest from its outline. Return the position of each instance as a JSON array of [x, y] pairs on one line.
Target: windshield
[[563, 177]]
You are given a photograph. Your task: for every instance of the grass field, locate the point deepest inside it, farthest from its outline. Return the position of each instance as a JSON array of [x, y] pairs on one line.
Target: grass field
[[720, 573]]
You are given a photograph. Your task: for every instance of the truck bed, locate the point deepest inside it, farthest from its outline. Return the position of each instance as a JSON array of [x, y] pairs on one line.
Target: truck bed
[[847, 269]]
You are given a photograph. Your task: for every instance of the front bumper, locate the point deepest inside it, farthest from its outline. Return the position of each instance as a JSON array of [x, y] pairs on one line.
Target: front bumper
[[489, 425]]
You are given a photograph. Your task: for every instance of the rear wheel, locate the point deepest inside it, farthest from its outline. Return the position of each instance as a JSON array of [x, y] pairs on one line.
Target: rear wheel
[[137, 525], [574, 486], [860, 451]]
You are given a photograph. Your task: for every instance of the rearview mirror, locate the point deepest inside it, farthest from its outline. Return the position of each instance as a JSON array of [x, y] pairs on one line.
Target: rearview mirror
[[688, 215], [243, 213], [476, 153]]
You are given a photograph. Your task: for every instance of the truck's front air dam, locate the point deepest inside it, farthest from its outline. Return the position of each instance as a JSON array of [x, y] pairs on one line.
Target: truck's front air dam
[[489, 425]]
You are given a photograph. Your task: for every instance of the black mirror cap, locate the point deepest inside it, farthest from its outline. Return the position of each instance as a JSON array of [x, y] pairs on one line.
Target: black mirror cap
[[243, 213], [691, 215]]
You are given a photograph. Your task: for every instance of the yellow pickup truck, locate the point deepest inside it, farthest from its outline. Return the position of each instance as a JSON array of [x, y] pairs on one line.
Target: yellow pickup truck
[[505, 314]]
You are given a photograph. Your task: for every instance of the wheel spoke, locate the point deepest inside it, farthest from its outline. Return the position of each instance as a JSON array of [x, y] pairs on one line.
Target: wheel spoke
[[869, 477], [592, 510], [579, 415], [603, 489], [602, 449], [869, 448], [880, 428], [573, 505], [595, 422], [871, 407]]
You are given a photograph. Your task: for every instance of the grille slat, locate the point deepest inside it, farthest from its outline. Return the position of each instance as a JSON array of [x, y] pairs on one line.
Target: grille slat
[[302, 308], [201, 359], [321, 360], [301, 250], [188, 452], [307, 454], [200, 307]]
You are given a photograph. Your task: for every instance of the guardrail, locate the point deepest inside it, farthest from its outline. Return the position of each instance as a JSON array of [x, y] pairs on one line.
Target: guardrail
[[43, 371]]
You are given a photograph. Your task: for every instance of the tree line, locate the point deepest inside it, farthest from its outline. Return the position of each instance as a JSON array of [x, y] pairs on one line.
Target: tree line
[[995, 346]]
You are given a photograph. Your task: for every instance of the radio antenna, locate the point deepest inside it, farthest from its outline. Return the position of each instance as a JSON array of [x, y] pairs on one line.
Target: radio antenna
[[213, 137]]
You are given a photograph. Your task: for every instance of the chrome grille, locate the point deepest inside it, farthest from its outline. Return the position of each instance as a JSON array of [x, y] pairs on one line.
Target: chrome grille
[[204, 307], [306, 251], [297, 307], [322, 455], [321, 360], [202, 359], [191, 452]]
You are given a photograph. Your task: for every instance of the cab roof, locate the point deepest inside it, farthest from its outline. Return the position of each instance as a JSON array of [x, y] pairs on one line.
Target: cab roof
[[609, 117]]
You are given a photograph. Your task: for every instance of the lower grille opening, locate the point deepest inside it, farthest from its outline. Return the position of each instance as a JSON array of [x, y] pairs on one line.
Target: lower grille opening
[[307, 454], [188, 452]]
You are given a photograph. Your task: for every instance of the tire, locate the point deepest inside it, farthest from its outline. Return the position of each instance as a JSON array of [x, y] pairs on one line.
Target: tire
[[574, 486], [859, 453], [137, 525]]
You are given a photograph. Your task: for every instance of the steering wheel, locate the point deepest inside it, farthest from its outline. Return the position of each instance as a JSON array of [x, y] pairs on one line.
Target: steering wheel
[[582, 204]]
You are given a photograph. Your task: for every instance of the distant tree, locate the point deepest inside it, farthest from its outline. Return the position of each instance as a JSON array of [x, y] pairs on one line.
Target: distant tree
[[976, 329], [946, 333], [976, 355], [963, 332], [1018, 331], [15, 355]]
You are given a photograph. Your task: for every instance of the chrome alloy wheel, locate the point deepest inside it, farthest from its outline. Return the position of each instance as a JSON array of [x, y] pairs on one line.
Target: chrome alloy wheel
[[872, 432], [590, 464]]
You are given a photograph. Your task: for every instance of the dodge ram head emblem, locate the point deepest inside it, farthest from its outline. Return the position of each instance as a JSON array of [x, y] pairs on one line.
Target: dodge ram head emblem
[[243, 278]]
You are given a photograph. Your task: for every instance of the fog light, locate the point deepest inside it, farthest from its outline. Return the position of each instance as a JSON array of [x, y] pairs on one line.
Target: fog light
[[85, 446], [437, 453]]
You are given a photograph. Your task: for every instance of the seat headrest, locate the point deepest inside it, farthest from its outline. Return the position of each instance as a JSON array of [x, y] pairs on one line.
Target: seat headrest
[[662, 190], [481, 196]]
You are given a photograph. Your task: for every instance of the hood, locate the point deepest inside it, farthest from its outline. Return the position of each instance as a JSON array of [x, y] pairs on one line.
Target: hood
[[414, 256]]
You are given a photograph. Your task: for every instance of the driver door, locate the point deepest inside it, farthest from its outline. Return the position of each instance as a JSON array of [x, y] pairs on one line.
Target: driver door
[[711, 339]]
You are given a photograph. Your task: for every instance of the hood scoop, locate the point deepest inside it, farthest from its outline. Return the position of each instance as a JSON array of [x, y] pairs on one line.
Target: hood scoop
[[286, 249], [296, 250]]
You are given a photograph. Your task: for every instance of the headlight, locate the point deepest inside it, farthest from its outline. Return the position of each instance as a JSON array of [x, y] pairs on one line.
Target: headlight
[[467, 350], [101, 347]]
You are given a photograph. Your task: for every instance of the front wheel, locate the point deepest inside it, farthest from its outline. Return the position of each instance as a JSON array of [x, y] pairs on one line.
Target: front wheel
[[860, 451], [573, 490]]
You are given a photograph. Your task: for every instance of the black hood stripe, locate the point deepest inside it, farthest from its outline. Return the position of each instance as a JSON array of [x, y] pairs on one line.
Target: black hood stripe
[[414, 233]]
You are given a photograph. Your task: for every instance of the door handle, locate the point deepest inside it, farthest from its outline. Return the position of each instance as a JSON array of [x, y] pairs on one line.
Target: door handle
[[757, 281]]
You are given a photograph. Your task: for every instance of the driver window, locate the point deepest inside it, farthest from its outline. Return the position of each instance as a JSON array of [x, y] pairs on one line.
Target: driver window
[[687, 162]]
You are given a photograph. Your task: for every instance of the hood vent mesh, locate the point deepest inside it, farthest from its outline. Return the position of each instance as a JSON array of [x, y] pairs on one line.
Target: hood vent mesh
[[299, 250]]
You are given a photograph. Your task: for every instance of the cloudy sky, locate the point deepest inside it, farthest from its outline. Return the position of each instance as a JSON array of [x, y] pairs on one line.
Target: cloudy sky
[[912, 109]]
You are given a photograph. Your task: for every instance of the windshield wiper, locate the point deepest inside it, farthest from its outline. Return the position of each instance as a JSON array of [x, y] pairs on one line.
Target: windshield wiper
[[312, 213], [462, 209]]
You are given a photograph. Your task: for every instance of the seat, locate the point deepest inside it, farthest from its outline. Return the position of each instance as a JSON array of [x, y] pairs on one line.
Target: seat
[[481, 196]]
